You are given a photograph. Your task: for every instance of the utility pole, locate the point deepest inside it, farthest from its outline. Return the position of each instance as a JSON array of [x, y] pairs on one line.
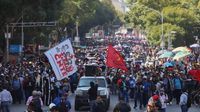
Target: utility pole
[[7, 43], [22, 38]]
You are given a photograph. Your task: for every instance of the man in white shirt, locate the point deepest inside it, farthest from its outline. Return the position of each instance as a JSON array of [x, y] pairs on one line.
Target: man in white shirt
[[183, 101], [5, 99]]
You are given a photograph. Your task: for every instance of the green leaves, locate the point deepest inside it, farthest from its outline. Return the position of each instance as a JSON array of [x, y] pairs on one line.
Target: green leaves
[[179, 15], [88, 13]]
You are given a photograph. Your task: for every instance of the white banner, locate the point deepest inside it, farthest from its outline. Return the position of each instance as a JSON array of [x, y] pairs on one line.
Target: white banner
[[62, 59]]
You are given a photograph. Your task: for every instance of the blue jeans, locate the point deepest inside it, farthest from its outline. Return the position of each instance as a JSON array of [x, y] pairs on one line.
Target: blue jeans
[[138, 97], [163, 110], [92, 103], [184, 108], [126, 96], [5, 105]]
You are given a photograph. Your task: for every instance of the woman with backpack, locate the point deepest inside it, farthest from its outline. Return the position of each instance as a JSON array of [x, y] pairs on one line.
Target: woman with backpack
[[35, 102]]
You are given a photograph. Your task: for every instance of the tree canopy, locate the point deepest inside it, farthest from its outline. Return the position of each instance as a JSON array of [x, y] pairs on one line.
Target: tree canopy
[[88, 13], [181, 16]]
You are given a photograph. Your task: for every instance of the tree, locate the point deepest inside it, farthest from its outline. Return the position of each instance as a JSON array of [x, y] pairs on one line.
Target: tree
[[88, 13], [180, 15]]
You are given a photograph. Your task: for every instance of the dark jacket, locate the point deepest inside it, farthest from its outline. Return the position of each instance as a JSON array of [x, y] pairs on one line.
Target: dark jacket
[[99, 106], [92, 92], [122, 107]]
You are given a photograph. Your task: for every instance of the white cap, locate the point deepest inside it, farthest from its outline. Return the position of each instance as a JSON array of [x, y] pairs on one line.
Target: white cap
[[144, 77], [51, 105]]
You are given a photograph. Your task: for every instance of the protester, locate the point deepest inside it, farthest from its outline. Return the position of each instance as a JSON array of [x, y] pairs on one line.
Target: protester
[[57, 100], [53, 108], [99, 105], [124, 88], [184, 100], [154, 104], [28, 86], [146, 90], [138, 94], [92, 92], [35, 101], [64, 105], [177, 87], [132, 83], [16, 89], [5, 99], [122, 107], [163, 100]]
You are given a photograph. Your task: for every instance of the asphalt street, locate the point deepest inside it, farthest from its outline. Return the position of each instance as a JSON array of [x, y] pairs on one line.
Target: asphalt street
[[114, 101]]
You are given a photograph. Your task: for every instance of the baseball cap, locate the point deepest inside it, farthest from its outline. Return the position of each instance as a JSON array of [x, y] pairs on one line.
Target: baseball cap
[[155, 97], [51, 105]]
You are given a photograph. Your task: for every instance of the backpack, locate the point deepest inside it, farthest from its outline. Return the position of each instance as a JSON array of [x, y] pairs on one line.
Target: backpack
[[63, 107], [158, 104], [99, 106], [37, 104], [189, 101], [132, 83]]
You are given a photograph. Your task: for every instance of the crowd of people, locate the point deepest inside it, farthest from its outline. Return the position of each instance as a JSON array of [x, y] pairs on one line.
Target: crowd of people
[[33, 82], [153, 86]]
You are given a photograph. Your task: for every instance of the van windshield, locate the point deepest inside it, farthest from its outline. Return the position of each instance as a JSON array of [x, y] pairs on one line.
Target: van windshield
[[85, 82]]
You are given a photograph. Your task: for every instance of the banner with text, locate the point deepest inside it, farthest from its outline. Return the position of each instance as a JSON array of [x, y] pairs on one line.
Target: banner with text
[[62, 59]]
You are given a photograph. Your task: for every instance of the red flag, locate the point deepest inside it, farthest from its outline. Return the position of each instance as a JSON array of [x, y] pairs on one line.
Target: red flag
[[114, 59]]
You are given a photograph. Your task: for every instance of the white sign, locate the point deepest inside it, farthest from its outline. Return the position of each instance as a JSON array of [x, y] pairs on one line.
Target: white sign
[[62, 59], [8, 35]]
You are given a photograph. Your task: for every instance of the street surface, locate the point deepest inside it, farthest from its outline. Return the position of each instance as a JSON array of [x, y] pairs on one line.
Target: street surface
[[113, 101]]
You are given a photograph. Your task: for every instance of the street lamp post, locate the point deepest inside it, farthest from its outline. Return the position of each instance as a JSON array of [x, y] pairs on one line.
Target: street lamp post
[[7, 36], [172, 33], [7, 44], [22, 38], [77, 38]]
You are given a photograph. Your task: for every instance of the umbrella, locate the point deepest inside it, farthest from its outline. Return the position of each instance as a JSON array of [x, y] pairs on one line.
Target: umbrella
[[181, 55], [167, 64], [161, 52], [181, 49], [194, 45], [166, 55]]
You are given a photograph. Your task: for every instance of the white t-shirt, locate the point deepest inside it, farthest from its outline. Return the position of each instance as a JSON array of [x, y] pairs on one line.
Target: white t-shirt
[[163, 99]]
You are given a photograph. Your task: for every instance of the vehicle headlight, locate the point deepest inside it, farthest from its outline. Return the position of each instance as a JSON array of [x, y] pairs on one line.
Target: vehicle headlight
[[79, 92], [103, 92]]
